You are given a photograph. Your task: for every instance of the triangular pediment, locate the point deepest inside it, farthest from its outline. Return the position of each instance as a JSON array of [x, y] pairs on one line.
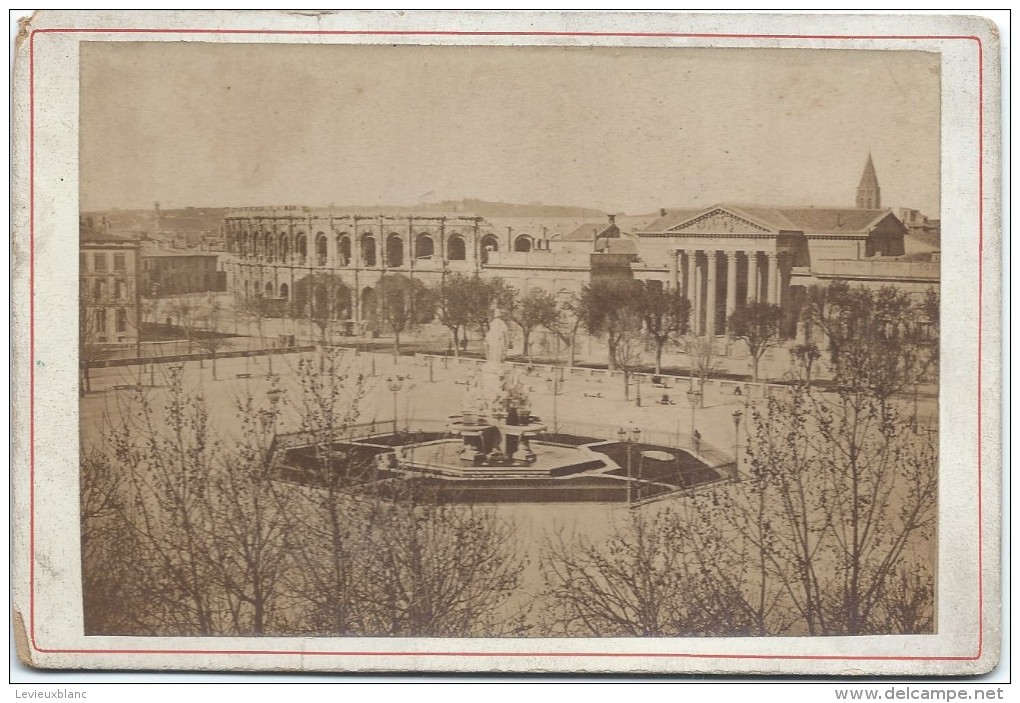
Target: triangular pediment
[[720, 221]]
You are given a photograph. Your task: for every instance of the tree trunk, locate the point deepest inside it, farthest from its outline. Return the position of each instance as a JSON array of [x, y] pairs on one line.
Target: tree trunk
[[658, 357], [213, 366], [526, 342], [754, 370], [456, 342], [626, 385], [396, 346]]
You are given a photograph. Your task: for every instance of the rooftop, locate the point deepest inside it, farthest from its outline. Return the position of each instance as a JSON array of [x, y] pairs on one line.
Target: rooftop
[[797, 219]]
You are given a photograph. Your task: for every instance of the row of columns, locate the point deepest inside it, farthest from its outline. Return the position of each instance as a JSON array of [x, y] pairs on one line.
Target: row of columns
[[696, 272]]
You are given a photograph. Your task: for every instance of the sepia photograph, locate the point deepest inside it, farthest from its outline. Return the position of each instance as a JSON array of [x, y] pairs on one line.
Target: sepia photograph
[[512, 344]]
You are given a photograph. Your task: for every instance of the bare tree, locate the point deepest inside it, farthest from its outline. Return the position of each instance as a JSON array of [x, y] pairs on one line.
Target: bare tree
[[703, 357], [252, 545], [323, 298], [404, 304], [757, 323], [166, 455], [875, 345], [570, 322], [183, 310], [457, 299], [439, 570], [610, 310], [108, 549], [627, 352], [253, 310], [536, 308], [644, 580], [804, 357], [496, 296], [839, 500], [666, 315], [210, 340], [93, 344], [328, 514]]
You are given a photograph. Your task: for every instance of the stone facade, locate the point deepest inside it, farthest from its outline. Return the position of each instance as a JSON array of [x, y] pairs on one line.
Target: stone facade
[[108, 278], [722, 256]]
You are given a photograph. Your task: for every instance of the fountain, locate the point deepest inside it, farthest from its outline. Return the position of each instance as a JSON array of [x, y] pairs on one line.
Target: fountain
[[496, 424]]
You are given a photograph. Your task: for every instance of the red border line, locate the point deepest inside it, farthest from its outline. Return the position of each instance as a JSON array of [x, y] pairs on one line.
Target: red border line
[[678, 655], [449, 33]]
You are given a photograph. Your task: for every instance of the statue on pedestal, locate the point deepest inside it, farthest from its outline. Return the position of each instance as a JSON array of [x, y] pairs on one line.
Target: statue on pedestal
[[497, 339]]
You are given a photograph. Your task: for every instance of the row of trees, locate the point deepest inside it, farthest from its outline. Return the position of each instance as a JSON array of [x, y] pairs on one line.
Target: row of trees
[[187, 530], [831, 529]]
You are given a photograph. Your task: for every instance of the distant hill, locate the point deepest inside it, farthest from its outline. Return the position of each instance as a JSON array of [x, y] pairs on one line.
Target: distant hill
[[210, 219], [488, 208], [170, 221]]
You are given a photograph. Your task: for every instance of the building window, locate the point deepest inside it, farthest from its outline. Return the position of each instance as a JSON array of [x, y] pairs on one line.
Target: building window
[[121, 320], [99, 261], [101, 323], [100, 288], [82, 262], [121, 288], [455, 249], [119, 262]]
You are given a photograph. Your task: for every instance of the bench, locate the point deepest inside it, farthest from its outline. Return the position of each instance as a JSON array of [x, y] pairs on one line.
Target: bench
[[593, 395], [243, 375], [127, 387]]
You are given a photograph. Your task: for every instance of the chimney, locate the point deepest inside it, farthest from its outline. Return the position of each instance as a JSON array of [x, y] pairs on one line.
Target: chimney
[[612, 219], [662, 212]]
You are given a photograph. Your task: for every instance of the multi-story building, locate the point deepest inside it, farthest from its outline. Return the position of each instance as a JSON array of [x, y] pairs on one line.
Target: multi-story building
[[722, 256], [109, 302], [171, 271], [272, 250]]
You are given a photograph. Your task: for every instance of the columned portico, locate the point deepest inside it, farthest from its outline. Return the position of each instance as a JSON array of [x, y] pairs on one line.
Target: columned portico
[[752, 277], [773, 280], [731, 285], [693, 286], [715, 291], [712, 262]]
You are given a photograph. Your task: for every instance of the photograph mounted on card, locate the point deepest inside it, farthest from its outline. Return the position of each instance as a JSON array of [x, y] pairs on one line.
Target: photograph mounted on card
[[507, 347]]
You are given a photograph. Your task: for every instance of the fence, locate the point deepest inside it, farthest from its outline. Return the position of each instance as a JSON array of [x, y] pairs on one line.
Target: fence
[[596, 432], [660, 381], [181, 358]]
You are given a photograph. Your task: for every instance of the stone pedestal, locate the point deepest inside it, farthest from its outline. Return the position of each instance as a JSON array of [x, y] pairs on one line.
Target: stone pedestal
[[495, 443]]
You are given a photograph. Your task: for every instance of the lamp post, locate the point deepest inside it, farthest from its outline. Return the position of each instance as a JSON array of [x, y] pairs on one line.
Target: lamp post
[[628, 439], [394, 384], [274, 395], [736, 444], [556, 391]]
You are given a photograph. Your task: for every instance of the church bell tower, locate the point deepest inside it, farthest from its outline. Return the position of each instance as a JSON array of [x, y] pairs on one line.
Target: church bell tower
[[869, 195]]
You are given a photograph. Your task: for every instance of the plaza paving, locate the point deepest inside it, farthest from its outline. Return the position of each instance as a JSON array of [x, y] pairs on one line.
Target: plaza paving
[[572, 411], [431, 392]]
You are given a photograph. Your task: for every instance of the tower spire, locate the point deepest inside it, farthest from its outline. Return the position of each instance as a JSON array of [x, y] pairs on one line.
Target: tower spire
[[869, 195]]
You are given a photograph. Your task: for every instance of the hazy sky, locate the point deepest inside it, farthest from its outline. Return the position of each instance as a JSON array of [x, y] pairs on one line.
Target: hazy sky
[[624, 129]]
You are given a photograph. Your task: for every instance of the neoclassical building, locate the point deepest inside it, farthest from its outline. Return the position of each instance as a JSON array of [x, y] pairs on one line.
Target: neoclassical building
[[721, 256], [727, 255]]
